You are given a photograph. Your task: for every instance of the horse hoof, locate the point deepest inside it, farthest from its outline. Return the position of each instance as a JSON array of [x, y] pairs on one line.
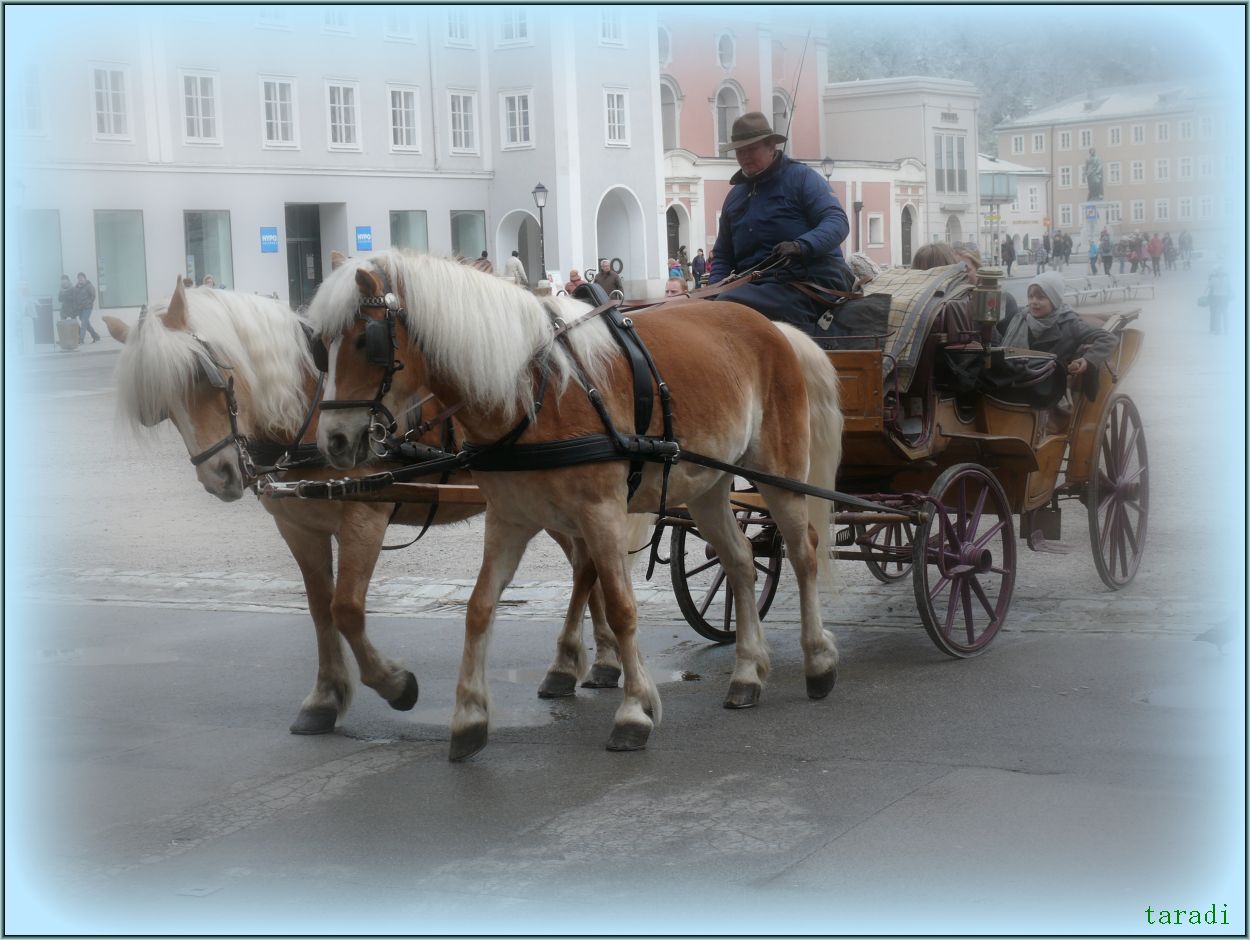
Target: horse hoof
[[466, 743], [628, 737], [557, 685], [315, 720], [820, 686], [742, 695], [602, 677], [408, 697]]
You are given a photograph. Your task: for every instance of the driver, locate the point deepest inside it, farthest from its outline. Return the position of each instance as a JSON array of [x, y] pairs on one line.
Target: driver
[[782, 208]]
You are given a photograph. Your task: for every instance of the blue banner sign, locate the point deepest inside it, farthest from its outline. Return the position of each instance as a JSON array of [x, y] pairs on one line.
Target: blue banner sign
[[268, 239], [364, 238]]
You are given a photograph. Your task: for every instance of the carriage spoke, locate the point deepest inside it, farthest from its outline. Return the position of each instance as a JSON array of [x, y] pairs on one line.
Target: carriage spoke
[[952, 606], [982, 597], [699, 570], [970, 626], [729, 606], [984, 540], [943, 580], [976, 515], [711, 593], [761, 567]]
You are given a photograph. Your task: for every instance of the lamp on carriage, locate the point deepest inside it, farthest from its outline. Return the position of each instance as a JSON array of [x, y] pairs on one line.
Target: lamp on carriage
[[826, 167], [540, 200]]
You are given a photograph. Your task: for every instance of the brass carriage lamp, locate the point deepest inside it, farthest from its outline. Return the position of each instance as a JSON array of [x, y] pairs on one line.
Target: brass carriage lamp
[[987, 305]]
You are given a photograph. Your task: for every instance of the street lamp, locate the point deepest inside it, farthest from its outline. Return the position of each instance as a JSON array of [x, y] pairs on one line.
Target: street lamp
[[826, 167], [859, 207], [540, 200]]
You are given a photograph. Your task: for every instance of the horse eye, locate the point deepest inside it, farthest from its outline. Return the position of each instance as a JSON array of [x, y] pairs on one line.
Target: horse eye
[[360, 341]]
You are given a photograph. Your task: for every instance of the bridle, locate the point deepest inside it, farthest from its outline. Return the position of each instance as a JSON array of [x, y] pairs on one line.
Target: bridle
[[213, 374], [380, 346]]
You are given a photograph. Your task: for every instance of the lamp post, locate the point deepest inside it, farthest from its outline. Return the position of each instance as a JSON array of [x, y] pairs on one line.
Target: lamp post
[[540, 200], [859, 207], [826, 167]]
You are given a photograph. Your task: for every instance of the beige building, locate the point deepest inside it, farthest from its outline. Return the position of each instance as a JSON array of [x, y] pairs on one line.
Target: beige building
[[1164, 152]]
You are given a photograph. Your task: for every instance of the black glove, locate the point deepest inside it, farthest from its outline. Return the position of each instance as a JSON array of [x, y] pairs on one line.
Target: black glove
[[788, 250]]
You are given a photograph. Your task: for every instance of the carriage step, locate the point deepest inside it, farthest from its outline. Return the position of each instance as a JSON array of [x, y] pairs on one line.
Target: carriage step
[[845, 537]]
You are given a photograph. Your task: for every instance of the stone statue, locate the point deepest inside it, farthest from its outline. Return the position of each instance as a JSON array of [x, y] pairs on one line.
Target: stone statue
[[1093, 176]]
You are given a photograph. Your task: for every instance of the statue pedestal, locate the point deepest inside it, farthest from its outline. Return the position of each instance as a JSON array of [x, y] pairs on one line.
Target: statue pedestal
[[1093, 220]]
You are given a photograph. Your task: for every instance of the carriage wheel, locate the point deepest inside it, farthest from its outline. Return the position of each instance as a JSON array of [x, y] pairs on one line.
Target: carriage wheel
[[964, 560], [1117, 495], [893, 538], [699, 581]]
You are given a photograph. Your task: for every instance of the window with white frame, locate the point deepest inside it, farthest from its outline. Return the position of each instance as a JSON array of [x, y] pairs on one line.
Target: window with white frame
[[1065, 214], [1137, 210], [1065, 140], [665, 39], [1113, 172], [1137, 171], [1086, 136], [1206, 167], [1206, 207], [1113, 213], [668, 113], [611, 30], [1162, 170], [121, 260], [514, 27], [1035, 199], [343, 115], [1161, 210], [32, 100], [1185, 130], [278, 128], [1039, 143], [515, 112], [199, 108], [1017, 143], [400, 25], [1206, 127], [109, 87], [728, 110], [463, 109], [1185, 168], [876, 230], [273, 18], [1139, 133], [781, 111], [458, 29], [336, 20], [1162, 130], [951, 169], [726, 51], [616, 117], [1184, 209], [405, 119], [1065, 177], [1113, 136]]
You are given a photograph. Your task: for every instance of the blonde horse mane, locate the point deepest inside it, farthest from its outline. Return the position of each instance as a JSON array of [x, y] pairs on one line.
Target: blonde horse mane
[[485, 331], [261, 340]]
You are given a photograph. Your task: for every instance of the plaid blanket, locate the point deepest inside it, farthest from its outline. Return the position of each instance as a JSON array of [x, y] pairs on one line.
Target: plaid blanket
[[916, 298]]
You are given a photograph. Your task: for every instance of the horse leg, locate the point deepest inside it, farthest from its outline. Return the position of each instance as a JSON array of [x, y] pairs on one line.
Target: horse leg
[[360, 542], [570, 661], [504, 545], [332, 692], [640, 708], [820, 652], [605, 673], [714, 517]]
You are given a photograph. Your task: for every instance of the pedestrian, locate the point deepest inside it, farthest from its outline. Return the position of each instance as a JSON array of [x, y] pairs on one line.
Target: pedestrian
[[209, 281], [1169, 252], [608, 279], [699, 268], [1040, 258], [1218, 291], [683, 258], [675, 287], [574, 282], [68, 299], [85, 292], [515, 270], [483, 264], [1154, 249], [1009, 254], [1104, 251], [1067, 249], [783, 213], [1121, 252], [1187, 246], [1093, 256], [674, 268]]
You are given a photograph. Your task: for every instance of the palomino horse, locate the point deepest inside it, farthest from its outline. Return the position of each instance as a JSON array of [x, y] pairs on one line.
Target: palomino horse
[[743, 390], [175, 365]]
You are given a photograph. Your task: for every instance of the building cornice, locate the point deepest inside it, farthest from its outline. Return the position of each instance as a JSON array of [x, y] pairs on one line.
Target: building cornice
[[257, 170]]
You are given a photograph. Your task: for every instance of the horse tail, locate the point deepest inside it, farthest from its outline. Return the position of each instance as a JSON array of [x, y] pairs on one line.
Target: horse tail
[[825, 438]]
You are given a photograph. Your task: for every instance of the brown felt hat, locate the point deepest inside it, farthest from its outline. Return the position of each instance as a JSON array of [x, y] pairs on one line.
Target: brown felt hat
[[749, 129]]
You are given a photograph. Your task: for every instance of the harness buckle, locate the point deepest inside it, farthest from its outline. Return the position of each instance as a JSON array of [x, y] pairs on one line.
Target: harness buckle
[[627, 323]]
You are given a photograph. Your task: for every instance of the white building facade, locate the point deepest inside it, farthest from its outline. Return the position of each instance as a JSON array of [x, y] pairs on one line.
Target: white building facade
[[250, 142]]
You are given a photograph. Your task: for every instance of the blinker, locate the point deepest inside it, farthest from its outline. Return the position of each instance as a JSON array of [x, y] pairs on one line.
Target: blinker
[[320, 355], [379, 342]]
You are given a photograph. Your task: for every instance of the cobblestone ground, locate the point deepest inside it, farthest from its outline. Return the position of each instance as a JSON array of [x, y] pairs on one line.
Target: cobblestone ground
[[125, 522]]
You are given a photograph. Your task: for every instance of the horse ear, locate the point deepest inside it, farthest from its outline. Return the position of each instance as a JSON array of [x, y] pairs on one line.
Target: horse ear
[[175, 317], [369, 283], [337, 259], [117, 329]]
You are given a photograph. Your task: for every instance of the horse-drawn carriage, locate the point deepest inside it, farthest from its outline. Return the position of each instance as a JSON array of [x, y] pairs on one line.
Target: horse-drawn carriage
[[926, 485]]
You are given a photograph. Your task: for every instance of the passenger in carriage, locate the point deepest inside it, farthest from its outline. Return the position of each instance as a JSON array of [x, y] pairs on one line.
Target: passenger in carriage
[[1050, 325], [779, 208]]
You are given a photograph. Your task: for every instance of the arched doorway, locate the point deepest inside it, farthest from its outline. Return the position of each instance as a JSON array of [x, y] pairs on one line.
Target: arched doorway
[[518, 231], [905, 230], [620, 233], [954, 231], [677, 221]]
